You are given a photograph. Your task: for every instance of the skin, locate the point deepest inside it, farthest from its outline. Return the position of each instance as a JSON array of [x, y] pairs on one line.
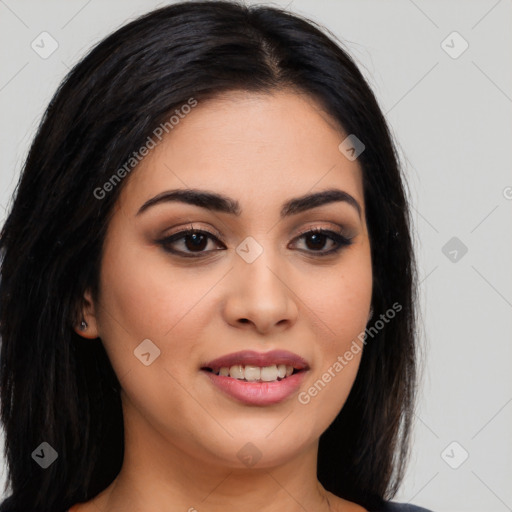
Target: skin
[[182, 435]]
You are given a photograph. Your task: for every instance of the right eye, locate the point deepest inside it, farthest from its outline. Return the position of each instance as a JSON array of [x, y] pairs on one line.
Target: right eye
[[194, 241]]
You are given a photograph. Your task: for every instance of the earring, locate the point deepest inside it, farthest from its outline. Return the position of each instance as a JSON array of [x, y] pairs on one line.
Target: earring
[[83, 325], [371, 313]]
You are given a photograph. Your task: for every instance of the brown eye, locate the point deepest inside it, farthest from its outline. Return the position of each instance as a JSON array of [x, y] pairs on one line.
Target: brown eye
[[316, 240], [191, 241]]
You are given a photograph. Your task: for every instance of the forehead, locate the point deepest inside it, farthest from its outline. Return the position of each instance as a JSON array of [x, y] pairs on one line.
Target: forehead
[[257, 147]]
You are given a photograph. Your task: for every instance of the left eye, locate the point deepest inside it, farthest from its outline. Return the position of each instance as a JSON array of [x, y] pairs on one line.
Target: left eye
[[196, 241], [318, 237]]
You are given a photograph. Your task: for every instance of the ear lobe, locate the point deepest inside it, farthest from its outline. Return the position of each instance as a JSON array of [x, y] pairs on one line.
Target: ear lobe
[[87, 326]]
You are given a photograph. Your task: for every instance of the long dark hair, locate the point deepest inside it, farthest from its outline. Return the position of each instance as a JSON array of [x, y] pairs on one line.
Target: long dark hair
[[58, 389]]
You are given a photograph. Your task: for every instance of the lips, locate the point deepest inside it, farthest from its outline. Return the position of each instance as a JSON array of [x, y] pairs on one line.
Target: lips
[[273, 387], [261, 359]]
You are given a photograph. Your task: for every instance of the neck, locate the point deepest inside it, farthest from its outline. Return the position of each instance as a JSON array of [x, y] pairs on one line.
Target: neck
[[159, 474]]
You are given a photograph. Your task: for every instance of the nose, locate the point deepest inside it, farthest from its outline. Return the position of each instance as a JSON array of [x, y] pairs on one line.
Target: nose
[[259, 297]]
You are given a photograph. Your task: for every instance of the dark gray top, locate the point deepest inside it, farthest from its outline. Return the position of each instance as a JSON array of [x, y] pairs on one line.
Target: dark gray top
[[392, 506]]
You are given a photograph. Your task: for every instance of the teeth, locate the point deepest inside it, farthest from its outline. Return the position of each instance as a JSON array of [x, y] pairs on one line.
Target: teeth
[[252, 373], [236, 372], [269, 373]]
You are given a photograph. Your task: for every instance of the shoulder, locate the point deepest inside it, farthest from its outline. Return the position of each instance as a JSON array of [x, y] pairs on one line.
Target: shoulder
[[392, 506], [340, 505]]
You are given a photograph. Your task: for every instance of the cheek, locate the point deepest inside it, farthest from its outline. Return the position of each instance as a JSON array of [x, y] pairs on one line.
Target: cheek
[[339, 301], [338, 308], [144, 297], [144, 287], [338, 355]]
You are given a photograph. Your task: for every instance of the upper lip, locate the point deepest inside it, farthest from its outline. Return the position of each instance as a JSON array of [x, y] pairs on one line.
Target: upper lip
[[250, 357]]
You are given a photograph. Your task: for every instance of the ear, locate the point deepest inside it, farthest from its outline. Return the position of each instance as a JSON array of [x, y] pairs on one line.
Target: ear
[[87, 325]]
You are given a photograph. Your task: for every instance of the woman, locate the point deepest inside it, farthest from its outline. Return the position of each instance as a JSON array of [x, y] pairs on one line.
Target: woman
[[208, 285]]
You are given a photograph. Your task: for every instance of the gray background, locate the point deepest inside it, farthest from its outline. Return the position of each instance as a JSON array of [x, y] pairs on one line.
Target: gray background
[[451, 117]]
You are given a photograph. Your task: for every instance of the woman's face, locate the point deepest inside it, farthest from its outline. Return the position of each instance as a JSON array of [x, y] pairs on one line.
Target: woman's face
[[168, 309]]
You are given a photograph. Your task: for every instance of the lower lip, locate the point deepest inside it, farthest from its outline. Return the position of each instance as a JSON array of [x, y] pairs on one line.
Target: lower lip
[[257, 393]]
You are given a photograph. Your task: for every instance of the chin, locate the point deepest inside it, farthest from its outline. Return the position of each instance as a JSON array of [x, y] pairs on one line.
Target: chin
[[261, 450]]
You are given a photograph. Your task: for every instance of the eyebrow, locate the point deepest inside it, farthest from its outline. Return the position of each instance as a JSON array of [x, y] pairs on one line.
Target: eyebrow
[[221, 203]]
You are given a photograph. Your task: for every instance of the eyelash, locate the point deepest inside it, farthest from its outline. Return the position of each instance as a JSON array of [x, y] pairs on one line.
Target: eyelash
[[336, 237]]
